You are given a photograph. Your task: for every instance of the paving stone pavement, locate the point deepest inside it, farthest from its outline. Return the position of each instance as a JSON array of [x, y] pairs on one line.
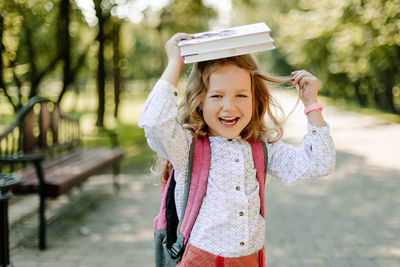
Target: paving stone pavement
[[348, 219]]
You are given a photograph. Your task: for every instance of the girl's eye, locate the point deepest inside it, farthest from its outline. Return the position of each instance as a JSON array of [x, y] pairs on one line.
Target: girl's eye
[[242, 95], [215, 96]]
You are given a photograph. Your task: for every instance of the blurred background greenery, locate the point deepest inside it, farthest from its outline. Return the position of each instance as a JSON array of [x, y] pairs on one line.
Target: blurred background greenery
[[99, 58]]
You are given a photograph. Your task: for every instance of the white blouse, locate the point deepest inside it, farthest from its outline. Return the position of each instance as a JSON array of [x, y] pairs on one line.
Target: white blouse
[[229, 223]]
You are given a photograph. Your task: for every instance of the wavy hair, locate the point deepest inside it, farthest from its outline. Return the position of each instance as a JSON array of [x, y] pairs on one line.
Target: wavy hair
[[190, 115]]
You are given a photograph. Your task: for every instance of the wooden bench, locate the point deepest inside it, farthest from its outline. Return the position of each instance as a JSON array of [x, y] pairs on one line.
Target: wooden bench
[[43, 148]]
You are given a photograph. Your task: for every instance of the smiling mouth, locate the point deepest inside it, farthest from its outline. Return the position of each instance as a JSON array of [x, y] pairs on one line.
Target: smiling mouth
[[228, 120]]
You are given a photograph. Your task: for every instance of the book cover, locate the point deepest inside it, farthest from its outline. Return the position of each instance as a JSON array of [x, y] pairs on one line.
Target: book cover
[[227, 42], [251, 39], [228, 52], [204, 37]]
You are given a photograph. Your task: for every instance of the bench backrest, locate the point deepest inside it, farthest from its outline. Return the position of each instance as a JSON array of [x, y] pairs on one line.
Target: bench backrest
[[39, 127]]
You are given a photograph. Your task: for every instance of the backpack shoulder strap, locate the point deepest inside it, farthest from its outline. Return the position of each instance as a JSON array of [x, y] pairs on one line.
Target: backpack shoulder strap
[[160, 221], [260, 158], [195, 189]]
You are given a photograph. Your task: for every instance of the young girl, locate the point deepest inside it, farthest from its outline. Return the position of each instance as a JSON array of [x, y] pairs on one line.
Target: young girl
[[227, 100]]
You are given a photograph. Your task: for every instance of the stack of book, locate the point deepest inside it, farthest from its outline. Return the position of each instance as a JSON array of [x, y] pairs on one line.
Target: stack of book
[[229, 42]]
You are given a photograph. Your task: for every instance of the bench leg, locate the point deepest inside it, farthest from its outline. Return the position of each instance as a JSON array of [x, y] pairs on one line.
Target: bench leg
[[116, 170], [42, 222], [4, 235], [42, 206]]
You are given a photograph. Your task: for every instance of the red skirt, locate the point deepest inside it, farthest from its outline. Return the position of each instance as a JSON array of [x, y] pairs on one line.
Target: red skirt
[[195, 256]]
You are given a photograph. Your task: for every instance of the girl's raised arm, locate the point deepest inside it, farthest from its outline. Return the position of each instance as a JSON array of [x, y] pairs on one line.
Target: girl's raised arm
[[317, 158], [175, 60], [158, 115]]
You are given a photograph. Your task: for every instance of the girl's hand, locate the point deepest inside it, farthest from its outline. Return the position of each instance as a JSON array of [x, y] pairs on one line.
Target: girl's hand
[[173, 52], [175, 61], [308, 86]]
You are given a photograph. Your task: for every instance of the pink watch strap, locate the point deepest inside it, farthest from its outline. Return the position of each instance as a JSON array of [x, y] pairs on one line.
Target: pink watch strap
[[312, 107]]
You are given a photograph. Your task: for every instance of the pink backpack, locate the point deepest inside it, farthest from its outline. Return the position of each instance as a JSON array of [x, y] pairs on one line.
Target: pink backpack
[[170, 234]]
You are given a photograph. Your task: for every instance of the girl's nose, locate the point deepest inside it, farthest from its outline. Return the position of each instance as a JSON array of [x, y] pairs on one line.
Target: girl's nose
[[228, 104]]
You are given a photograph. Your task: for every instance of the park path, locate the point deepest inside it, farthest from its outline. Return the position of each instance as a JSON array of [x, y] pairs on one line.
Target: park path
[[348, 219]]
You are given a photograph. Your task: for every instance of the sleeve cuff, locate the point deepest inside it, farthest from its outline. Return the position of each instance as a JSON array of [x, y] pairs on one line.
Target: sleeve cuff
[[318, 130], [160, 106], [172, 90]]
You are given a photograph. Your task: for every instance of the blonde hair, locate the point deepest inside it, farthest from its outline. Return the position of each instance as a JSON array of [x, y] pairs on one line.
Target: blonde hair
[[190, 115]]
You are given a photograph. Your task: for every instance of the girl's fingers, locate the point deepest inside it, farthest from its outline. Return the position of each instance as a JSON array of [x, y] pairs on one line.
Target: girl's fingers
[[307, 84], [305, 81], [177, 37], [296, 75], [173, 52], [181, 36], [302, 78]]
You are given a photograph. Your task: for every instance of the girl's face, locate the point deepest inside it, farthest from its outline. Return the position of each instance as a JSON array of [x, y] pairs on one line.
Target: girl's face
[[227, 107]]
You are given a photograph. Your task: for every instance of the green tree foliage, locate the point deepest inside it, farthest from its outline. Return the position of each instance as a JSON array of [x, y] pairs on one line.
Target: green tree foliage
[[36, 40], [50, 39], [146, 51], [252, 11], [353, 45], [185, 16], [26, 27], [147, 58], [45, 41]]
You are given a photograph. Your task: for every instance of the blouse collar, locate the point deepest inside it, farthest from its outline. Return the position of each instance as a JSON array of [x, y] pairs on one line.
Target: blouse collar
[[222, 139]]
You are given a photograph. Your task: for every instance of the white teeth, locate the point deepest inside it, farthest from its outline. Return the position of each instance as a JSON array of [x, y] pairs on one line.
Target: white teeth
[[228, 120]]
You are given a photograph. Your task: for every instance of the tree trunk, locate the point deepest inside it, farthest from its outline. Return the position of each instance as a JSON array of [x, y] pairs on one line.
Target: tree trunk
[[35, 76], [100, 67], [388, 84], [64, 45], [116, 65], [2, 83], [32, 55], [361, 98]]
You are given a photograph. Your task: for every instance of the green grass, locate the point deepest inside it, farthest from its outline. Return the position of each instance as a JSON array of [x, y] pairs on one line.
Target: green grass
[[138, 156]]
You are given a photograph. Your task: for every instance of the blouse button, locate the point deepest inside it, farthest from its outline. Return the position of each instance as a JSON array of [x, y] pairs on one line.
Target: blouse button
[[314, 132], [242, 243], [237, 188], [175, 94], [241, 213], [236, 160]]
